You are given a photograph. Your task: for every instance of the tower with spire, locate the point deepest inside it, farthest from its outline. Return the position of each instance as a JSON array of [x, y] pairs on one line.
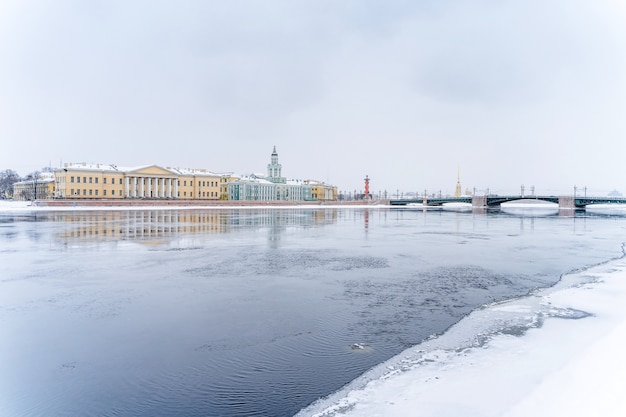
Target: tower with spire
[[274, 169], [457, 191]]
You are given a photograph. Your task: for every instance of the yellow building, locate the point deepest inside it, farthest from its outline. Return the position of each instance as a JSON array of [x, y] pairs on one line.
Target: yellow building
[[40, 188], [224, 180], [99, 181], [321, 191]]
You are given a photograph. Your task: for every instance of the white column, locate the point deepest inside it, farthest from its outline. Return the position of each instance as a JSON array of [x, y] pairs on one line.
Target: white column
[[176, 188], [169, 187], [162, 187], [127, 187], [141, 187], [135, 187]]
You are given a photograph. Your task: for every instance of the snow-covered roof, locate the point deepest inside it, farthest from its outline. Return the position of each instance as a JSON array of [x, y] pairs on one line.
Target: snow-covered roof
[[317, 183], [296, 182], [98, 167], [114, 168], [254, 178], [193, 171], [45, 177]]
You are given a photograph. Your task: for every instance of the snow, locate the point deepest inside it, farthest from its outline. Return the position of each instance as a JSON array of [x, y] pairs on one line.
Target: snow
[[569, 362], [27, 206]]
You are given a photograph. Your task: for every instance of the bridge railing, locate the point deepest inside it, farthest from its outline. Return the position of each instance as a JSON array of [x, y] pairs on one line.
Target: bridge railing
[[496, 200]]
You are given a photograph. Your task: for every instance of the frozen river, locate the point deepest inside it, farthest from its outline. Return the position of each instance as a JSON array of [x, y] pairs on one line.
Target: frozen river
[[252, 311]]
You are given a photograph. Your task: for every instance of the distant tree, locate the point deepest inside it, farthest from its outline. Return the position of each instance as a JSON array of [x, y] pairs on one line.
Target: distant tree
[[30, 192], [8, 177]]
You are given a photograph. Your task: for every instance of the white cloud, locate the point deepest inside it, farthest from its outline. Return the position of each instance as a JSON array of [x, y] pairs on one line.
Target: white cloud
[[403, 91]]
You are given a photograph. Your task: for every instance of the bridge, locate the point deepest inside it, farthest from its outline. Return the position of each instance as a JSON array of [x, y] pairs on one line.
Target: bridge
[[571, 202]]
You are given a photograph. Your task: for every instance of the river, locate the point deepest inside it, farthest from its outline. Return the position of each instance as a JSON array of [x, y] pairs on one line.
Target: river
[[253, 312]]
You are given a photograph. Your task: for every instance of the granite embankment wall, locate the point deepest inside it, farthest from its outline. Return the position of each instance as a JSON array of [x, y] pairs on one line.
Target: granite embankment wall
[[199, 203]]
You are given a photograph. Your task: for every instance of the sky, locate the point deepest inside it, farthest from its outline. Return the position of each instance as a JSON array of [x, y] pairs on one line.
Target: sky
[[509, 93]]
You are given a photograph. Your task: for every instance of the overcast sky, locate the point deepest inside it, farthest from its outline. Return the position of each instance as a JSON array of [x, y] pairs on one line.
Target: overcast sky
[[514, 92]]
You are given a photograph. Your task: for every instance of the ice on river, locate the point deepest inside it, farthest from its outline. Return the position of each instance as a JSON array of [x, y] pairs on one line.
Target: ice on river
[[558, 352]]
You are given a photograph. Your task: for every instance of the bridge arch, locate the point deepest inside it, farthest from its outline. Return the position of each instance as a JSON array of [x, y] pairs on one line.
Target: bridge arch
[[498, 200]]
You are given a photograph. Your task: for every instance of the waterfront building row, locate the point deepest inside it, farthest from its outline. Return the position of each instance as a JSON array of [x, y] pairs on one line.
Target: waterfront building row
[[110, 182]]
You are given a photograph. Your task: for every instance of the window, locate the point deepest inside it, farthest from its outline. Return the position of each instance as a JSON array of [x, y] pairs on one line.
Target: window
[[185, 183], [185, 193], [104, 180], [96, 191], [96, 180], [72, 180], [85, 180], [120, 181], [90, 192], [77, 179], [72, 191], [90, 180], [104, 193], [84, 191], [112, 192]]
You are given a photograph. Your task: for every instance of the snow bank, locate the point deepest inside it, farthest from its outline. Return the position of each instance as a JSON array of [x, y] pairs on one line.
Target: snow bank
[[10, 205], [558, 352], [27, 206]]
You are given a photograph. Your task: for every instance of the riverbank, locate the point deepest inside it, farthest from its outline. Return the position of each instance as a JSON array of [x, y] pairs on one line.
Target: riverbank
[[568, 364], [174, 204]]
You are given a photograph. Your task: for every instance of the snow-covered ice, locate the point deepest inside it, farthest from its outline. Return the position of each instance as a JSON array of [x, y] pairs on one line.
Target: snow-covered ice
[[570, 361]]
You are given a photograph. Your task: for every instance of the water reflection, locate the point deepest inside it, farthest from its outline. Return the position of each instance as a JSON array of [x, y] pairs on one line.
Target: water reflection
[[164, 225]]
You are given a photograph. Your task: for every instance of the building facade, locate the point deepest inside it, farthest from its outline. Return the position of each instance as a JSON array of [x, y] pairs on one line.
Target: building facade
[[98, 181], [322, 191], [40, 188], [275, 187], [251, 188]]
